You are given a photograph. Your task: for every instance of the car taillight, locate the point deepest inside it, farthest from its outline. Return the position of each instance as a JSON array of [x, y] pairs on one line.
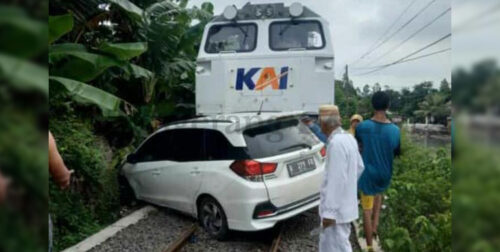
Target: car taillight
[[265, 213], [251, 169], [264, 209], [323, 151]]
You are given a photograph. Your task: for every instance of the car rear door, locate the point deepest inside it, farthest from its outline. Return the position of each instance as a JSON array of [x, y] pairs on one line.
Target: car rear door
[[180, 177], [297, 153]]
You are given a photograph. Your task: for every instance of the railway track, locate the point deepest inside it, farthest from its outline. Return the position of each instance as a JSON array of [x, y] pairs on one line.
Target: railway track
[[276, 242], [182, 239], [179, 244], [169, 231], [290, 235]]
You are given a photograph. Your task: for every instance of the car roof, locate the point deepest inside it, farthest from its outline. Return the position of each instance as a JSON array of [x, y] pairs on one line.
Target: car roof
[[227, 124], [230, 125], [242, 120]]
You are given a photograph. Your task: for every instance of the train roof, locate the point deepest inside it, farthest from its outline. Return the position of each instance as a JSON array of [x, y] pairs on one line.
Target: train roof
[[279, 10]]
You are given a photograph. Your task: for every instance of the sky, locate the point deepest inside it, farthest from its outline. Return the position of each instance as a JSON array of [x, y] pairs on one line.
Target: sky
[[355, 25], [481, 38]]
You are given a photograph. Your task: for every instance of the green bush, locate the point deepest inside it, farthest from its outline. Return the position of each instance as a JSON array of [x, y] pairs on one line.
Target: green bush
[[92, 200], [476, 169], [417, 216]]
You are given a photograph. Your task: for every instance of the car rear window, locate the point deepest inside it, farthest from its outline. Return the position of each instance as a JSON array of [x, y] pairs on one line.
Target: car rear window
[[278, 137]]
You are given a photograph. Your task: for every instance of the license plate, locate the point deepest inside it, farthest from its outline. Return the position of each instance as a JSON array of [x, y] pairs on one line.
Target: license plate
[[301, 166]]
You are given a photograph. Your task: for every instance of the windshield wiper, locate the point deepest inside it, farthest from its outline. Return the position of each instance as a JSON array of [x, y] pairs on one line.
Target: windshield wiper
[[283, 30], [297, 145], [243, 31]]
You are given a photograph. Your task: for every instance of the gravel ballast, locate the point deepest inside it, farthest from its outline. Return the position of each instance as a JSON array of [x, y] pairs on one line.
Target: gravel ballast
[[153, 233], [160, 229]]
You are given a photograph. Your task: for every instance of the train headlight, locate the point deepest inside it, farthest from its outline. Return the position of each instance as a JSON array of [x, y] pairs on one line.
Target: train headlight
[[296, 9], [230, 12]]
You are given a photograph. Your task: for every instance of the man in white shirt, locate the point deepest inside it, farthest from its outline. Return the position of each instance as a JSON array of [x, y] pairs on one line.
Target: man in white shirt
[[338, 205]]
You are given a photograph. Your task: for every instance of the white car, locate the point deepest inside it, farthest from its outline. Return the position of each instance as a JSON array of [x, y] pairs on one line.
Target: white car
[[240, 171]]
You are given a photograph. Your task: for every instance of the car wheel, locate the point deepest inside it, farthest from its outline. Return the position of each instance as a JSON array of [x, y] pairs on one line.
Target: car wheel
[[212, 218]]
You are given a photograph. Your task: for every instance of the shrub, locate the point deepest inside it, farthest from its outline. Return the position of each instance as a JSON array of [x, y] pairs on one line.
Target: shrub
[[92, 200], [418, 205]]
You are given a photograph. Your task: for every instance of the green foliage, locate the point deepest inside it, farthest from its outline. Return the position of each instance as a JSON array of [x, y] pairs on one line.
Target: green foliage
[[416, 104], [434, 105], [93, 200], [130, 8], [107, 102], [23, 146], [467, 86], [24, 74], [22, 36], [475, 193], [124, 51], [112, 75], [418, 212], [59, 25]]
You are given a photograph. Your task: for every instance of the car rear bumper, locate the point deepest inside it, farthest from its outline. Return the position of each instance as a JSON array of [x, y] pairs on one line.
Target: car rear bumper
[[282, 213]]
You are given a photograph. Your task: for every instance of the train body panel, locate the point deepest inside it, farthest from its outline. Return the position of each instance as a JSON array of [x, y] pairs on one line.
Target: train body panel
[[272, 63]]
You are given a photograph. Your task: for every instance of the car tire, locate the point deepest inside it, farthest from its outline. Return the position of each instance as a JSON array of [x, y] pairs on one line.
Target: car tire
[[213, 218]]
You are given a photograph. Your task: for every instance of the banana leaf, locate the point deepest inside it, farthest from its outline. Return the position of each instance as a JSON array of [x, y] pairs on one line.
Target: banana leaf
[[59, 25], [124, 51], [87, 94]]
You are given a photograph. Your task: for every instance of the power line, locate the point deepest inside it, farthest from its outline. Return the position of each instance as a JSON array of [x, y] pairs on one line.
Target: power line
[[426, 55], [409, 37], [473, 20], [407, 57], [386, 31], [400, 28]]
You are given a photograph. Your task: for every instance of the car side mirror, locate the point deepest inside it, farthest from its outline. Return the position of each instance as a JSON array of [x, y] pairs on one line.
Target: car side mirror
[[131, 158]]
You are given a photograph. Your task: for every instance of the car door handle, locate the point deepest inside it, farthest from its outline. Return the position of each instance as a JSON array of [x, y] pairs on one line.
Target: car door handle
[[156, 172], [195, 171]]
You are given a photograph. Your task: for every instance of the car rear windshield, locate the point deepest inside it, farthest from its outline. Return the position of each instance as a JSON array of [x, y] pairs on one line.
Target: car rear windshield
[[278, 137], [286, 35], [233, 37]]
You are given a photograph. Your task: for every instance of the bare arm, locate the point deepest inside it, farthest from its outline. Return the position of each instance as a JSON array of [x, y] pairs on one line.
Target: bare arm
[[4, 182], [57, 169]]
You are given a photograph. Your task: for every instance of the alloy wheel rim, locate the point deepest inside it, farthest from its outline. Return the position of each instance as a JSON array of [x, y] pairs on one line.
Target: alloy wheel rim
[[212, 218]]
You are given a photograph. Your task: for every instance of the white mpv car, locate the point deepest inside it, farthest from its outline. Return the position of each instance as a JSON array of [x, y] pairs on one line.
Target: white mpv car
[[233, 172]]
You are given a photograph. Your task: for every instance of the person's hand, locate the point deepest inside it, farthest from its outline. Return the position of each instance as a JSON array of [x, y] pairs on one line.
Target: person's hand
[[327, 222], [307, 121], [4, 184], [64, 179]]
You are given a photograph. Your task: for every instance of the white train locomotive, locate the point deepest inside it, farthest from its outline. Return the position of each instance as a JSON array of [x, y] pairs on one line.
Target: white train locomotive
[[265, 57]]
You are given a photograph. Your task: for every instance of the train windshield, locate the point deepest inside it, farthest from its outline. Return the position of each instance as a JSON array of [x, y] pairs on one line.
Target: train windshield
[[232, 37], [285, 35]]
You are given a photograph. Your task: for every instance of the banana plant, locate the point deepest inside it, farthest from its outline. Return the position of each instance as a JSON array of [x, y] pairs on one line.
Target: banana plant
[[73, 65]]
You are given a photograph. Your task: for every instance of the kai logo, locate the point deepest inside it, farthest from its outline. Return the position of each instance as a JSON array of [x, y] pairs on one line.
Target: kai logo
[[268, 77]]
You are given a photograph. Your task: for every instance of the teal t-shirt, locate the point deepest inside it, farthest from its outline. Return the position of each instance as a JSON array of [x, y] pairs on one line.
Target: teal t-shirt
[[379, 143]]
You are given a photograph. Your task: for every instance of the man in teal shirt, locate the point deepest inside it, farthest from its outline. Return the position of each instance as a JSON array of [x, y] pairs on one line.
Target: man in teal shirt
[[379, 142]]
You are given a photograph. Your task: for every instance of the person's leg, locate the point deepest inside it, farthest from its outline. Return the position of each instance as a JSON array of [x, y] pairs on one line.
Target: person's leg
[[327, 240], [367, 205], [377, 205], [50, 234], [367, 226], [335, 238], [343, 233]]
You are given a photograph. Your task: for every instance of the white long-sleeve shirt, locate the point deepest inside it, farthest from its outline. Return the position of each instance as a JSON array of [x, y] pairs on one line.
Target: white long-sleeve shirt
[[343, 167]]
